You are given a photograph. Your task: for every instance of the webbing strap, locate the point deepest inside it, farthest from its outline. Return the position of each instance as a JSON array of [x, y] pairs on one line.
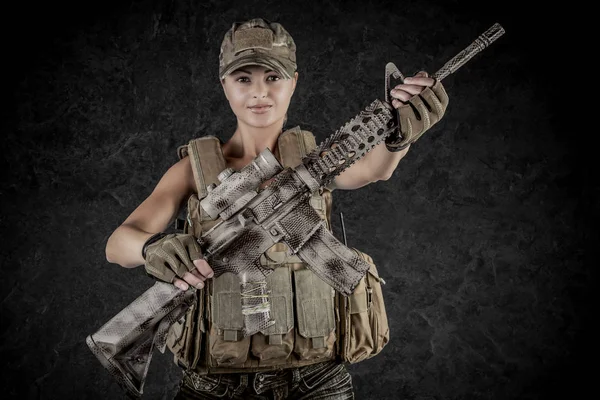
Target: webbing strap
[[275, 339], [294, 144], [231, 335], [318, 342], [207, 162]]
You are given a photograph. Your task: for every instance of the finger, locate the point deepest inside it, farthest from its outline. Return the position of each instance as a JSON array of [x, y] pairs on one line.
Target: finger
[[156, 269], [434, 106], [203, 268], [198, 275], [441, 94], [422, 74], [421, 81], [193, 280], [424, 116], [193, 248], [180, 284], [397, 103], [172, 261], [174, 258], [181, 250], [412, 89], [401, 95]]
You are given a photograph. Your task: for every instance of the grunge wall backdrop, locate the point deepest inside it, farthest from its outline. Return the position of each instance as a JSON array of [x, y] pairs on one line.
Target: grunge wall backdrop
[[483, 234]]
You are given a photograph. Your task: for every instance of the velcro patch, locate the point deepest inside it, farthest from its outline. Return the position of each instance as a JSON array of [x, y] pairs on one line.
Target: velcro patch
[[253, 38]]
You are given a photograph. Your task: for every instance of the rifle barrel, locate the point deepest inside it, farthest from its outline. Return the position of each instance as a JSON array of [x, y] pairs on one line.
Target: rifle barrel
[[482, 42]]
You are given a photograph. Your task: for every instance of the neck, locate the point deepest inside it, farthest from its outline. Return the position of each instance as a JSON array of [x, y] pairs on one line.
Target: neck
[[248, 142]]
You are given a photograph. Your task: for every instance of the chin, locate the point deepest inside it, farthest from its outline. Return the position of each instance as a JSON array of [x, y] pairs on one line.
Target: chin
[[258, 123]]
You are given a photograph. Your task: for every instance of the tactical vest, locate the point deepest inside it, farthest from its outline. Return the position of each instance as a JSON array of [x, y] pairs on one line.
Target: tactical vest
[[313, 323]]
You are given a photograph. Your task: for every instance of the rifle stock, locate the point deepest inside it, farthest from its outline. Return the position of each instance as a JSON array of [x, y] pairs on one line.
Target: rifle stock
[[124, 344], [255, 221]]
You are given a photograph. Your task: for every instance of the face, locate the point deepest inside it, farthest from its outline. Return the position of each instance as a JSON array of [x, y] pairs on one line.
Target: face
[[251, 86]]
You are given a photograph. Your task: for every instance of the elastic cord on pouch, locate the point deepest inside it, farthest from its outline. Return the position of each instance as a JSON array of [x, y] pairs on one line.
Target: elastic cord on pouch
[[255, 298]]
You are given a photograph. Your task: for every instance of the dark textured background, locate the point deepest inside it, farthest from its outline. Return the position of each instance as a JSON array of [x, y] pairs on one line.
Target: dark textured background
[[484, 234]]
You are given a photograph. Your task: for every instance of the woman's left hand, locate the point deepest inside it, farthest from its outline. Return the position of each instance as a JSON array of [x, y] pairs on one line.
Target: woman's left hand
[[421, 102]]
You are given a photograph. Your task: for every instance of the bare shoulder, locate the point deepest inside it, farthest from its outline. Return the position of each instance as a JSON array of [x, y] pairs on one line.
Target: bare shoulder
[[163, 204], [179, 178]]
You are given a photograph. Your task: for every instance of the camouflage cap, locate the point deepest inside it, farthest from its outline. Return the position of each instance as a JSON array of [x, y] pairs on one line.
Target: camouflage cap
[[258, 42]]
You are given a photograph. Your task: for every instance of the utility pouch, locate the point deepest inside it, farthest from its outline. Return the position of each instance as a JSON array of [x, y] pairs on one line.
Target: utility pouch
[[227, 345], [185, 336], [315, 334], [277, 341], [194, 224], [363, 317]]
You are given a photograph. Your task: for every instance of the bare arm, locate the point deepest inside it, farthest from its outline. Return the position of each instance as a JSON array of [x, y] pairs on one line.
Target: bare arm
[[377, 165], [154, 214]]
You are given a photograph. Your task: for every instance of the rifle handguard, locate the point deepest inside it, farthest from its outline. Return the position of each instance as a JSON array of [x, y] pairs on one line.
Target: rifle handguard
[[124, 344]]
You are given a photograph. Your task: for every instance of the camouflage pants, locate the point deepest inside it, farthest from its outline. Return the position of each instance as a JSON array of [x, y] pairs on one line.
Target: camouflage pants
[[328, 380]]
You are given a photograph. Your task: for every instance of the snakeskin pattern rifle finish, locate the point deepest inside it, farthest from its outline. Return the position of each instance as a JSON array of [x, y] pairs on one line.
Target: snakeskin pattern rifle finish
[[124, 345], [251, 222], [481, 43]]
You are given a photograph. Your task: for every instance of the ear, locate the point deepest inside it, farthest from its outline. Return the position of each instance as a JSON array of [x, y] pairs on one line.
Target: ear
[[224, 89], [294, 81]]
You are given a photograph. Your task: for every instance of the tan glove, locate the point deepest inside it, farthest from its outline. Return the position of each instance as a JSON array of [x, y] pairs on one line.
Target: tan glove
[[170, 255], [430, 106]]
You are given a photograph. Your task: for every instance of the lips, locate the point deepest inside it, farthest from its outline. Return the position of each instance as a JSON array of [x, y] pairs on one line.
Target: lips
[[260, 108]]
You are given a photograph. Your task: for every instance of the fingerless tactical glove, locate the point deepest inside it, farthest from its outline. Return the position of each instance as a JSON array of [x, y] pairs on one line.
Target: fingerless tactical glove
[[170, 255], [417, 116]]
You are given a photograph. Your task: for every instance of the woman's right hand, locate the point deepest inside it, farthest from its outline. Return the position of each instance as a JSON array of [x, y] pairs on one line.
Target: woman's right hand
[[177, 258]]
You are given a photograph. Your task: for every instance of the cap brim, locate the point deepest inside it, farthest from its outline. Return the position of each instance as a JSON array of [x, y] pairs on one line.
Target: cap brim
[[264, 61]]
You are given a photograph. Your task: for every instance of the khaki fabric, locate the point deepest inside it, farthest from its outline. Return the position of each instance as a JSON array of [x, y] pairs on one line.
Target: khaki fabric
[[293, 145], [258, 42], [364, 320], [210, 164], [310, 317]]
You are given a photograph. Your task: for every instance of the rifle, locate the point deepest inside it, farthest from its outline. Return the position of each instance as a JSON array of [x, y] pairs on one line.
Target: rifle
[[251, 222]]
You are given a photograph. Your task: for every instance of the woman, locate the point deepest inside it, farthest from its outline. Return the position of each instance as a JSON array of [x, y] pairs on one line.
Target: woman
[[258, 75]]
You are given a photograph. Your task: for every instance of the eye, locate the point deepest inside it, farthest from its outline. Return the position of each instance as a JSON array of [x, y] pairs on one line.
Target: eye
[[243, 79], [275, 78]]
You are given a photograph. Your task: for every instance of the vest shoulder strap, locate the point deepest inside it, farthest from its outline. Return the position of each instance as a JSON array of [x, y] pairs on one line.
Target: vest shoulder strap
[[293, 145], [206, 158]]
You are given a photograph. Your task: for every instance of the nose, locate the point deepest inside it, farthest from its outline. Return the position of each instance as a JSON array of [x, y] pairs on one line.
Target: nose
[[260, 89]]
